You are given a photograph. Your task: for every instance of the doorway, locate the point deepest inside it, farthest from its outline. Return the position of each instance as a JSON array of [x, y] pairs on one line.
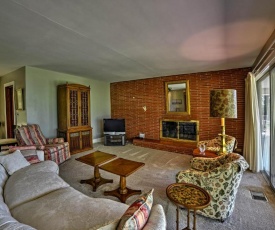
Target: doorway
[[266, 95], [9, 109]]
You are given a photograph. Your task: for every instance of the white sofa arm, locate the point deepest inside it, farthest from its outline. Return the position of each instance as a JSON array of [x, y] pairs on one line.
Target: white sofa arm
[[157, 219]]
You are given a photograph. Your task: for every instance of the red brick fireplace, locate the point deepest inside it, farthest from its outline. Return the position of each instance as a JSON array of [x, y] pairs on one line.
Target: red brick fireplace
[[129, 98]]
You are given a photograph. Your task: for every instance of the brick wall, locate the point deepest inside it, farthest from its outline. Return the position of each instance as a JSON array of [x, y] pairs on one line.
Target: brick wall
[[128, 98]]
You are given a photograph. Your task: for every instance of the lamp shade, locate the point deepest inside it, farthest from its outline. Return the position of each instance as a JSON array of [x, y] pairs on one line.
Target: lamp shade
[[223, 103]]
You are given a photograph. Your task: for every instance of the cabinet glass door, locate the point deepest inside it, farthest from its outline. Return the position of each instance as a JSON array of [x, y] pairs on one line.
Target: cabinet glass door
[[73, 108], [84, 108]]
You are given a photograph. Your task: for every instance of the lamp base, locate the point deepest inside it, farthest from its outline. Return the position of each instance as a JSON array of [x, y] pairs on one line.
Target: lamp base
[[223, 145]]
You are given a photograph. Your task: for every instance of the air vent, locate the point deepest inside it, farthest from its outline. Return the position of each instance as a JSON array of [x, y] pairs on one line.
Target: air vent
[[258, 196]]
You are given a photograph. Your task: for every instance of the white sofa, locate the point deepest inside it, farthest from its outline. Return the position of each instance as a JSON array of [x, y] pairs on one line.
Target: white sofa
[[35, 197]]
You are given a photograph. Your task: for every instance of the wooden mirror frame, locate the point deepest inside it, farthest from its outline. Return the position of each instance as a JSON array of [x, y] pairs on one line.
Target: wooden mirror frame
[[185, 100]]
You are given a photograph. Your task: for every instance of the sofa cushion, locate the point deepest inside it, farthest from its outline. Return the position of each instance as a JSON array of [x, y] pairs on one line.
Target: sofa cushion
[[3, 178], [4, 210], [13, 162], [68, 209], [7, 222], [137, 214], [43, 166], [22, 187]]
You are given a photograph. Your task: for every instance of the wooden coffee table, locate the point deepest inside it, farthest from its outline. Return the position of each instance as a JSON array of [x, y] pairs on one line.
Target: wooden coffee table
[[189, 196], [123, 168], [95, 159]]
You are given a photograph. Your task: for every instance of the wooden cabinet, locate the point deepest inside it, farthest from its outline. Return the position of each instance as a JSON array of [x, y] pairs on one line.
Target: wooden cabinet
[[74, 120]]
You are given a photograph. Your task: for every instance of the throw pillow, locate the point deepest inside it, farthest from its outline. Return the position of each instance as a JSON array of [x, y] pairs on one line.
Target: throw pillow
[[137, 214], [31, 156], [30, 153], [13, 162]]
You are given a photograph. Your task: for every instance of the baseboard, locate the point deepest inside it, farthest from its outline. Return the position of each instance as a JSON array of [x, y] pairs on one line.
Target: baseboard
[[97, 140]]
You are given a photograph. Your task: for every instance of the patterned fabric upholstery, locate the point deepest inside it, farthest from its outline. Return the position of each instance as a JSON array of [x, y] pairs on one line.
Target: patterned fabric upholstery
[[215, 144], [55, 149], [137, 214], [220, 177]]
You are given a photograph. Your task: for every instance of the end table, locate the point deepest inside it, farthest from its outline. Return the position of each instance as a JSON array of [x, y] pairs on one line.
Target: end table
[[189, 196], [207, 153], [8, 141]]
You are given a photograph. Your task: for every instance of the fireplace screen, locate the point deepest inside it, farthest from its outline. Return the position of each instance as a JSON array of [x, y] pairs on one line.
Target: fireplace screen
[[180, 130]]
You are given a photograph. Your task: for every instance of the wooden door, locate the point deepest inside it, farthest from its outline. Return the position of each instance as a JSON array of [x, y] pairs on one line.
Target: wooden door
[[75, 141], [9, 111], [86, 137]]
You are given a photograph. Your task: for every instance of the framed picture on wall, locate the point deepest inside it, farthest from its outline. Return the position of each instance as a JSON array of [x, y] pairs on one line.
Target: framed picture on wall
[[19, 93]]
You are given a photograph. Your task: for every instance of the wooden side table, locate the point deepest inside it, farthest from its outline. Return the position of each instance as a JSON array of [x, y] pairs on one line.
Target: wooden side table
[[189, 196], [9, 141], [207, 153]]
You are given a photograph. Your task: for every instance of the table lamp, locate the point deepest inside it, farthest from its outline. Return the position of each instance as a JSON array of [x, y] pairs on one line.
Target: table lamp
[[223, 104]]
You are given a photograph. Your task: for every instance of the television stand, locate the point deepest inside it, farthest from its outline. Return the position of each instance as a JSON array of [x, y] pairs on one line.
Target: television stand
[[117, 139]]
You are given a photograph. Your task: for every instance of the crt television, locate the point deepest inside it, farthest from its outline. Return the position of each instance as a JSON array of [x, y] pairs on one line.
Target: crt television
[[114, 126]]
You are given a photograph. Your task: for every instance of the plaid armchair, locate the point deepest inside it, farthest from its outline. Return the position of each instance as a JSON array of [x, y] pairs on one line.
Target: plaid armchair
[[55, 149], [215, 144], [220, 177]]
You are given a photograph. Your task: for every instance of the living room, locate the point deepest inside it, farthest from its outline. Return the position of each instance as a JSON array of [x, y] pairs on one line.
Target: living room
[[125, 54]]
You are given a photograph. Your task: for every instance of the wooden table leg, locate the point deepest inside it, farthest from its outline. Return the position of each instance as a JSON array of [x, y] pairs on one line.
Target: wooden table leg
[[97, 180], [122, 192], [188, 222], [178, 217], [194, 224]]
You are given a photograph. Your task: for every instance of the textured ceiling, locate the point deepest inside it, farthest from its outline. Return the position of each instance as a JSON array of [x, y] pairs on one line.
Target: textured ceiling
[[133, 39]]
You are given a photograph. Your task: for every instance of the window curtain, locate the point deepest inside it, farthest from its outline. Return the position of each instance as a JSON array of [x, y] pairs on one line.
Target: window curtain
[[252, 135]]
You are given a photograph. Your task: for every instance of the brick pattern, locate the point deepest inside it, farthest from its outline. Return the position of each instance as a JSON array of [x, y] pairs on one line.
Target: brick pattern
[[128, 98]]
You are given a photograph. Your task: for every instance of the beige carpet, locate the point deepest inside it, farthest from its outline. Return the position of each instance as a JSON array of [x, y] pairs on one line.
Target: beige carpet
[[159, 171]]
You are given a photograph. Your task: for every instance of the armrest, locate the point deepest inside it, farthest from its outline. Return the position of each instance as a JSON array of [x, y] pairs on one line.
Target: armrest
[[26, 147], [157, 219], [204, 164], [205, 178], [55, 140]]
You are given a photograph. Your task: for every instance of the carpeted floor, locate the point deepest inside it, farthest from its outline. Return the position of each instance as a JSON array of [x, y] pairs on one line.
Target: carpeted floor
[[159, 171]]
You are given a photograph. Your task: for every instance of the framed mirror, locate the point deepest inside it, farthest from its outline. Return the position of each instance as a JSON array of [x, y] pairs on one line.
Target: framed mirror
[[177, 97], [19, 93]]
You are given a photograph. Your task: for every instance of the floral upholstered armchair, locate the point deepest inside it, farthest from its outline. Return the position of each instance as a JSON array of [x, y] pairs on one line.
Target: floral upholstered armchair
[[220, 177], [55, 149], [215, 144]]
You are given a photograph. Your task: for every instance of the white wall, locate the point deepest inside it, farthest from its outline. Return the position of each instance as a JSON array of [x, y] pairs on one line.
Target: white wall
[[41, 99]]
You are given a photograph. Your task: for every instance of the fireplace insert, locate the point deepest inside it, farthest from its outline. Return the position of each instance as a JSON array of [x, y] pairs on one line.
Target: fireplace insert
[[180, 130]]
